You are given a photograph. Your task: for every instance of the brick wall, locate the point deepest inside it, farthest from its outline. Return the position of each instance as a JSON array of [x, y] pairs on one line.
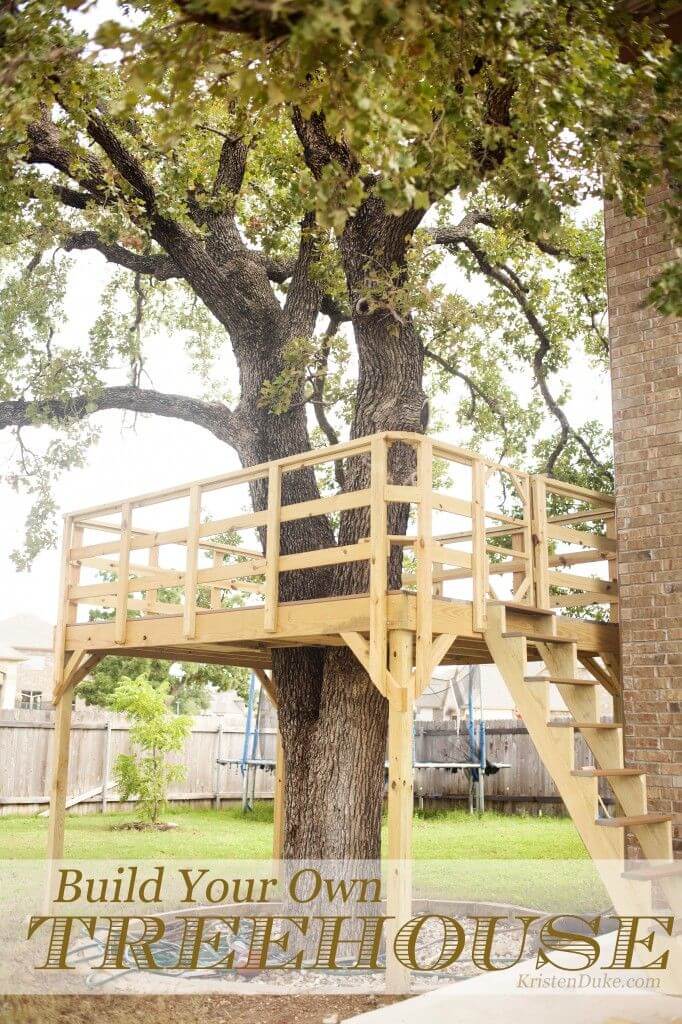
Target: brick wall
[[646, 362]]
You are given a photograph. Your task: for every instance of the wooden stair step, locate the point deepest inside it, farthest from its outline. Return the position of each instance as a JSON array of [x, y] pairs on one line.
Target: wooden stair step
[[607, 773], [653, 872], [519, 606], [634, 820], [540, 639], [570, 724], [561, 680]]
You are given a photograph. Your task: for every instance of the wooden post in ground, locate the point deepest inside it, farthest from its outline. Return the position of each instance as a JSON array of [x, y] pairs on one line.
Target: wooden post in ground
[[68, 610], [400, 800], [60, 775]]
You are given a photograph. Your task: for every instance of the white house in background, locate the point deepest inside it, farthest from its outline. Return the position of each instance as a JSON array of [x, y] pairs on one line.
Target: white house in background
[[26, 661], [447, 696]]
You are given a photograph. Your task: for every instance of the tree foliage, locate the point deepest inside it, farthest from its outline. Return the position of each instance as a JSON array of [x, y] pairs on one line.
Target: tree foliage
[[155, 732], [189, 685]]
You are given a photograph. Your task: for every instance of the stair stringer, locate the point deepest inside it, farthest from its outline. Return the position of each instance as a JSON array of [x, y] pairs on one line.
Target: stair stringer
[[555, 746], [607, 747]]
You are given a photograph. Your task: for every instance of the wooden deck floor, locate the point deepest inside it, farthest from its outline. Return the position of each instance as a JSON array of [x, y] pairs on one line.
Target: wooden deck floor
[[237, 636]]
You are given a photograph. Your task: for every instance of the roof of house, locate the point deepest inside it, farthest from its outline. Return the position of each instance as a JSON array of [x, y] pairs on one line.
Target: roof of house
[[26, 633]]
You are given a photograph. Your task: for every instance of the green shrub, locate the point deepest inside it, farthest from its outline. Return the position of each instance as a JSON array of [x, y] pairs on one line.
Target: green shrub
[[155, 733]]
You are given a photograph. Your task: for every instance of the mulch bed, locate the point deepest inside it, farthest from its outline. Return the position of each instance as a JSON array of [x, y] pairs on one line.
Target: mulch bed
[[266, 1009]]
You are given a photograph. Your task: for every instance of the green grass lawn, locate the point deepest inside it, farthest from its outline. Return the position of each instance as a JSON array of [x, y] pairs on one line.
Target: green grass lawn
[[225, 834], [484, 856]]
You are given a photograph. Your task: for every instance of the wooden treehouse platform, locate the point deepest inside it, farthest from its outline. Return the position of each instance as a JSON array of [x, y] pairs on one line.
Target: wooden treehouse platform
[[164, 566], [490, 559]]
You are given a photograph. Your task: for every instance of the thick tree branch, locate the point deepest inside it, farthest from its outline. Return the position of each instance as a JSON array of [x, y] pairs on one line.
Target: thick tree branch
[[510, 282], [304, 297], [319, 148], [212, 416], [318, 382], [157, 265], [46, 147], [121, 157], [267, 22]]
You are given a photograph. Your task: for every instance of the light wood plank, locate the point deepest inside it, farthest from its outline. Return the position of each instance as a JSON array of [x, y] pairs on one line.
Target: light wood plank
[[378, 576], [272, 566], [189, 624], [123, 573]]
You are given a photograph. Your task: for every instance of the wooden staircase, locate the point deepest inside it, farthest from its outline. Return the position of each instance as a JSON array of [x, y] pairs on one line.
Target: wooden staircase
[[604, 836]]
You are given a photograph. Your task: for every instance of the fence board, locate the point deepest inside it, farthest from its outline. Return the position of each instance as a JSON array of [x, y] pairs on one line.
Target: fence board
[[25, 739]]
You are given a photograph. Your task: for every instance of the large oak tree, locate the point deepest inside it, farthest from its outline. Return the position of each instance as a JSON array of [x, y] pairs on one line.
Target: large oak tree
[[289, 178]]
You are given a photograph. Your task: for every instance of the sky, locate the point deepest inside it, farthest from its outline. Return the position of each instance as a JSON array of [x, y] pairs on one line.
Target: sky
[[152, 453]]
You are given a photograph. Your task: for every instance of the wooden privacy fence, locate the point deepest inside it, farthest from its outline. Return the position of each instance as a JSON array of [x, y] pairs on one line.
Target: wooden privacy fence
[[25, 739]]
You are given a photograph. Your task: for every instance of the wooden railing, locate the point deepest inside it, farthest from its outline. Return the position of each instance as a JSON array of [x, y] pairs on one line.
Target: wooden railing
[[460, 539]]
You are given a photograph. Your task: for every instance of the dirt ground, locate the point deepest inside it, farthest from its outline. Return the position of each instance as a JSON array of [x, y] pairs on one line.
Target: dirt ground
[[186, 1009]]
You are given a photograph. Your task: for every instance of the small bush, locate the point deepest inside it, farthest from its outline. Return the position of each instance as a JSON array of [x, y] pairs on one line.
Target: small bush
[[155, 733]]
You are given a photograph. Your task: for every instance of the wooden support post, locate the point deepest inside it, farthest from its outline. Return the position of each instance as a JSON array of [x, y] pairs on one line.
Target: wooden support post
[[189, 620], [278, 811], [63, 696], [123, 575], [272, 547], [378, 566], [60, 775], [540, 552], [479, 558], [424, 565], [400, 802]]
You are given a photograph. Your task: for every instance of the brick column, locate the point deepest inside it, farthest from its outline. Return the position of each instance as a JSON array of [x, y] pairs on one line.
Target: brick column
[[646, 364]]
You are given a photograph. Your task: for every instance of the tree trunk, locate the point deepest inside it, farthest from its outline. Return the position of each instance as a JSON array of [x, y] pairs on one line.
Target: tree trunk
[[332, 718], [333, 723]]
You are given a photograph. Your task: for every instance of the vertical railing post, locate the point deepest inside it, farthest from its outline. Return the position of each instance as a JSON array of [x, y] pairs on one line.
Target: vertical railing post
[[479, 557], [523, 543], [189, 623], [121, 623], [152, 594], [272, 547], [215, 591], [424, 555], [540, 552], [378, 564]]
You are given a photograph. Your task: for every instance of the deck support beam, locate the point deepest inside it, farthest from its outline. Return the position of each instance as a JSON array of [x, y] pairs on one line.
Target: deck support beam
[[400, 800]]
